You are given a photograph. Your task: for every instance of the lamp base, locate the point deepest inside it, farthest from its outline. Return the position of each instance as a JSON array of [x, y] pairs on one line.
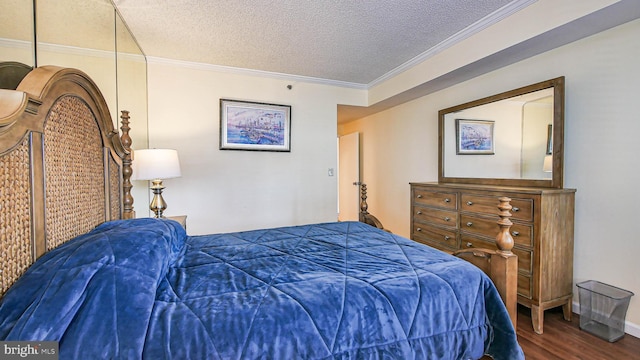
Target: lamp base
[[158, 205]]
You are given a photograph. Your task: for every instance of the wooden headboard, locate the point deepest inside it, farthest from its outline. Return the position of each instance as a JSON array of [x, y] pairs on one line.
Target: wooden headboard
[[64, 169]]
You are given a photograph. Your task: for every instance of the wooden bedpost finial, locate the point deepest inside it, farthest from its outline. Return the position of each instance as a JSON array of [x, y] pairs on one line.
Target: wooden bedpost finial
[[504, 240], [127, 199], [364, 215], [126, 139], [363, 199]]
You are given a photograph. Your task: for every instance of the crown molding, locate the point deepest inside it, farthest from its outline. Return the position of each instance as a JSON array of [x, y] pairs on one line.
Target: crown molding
[[251, 72], [478, 26], [500, 14], [70, 50]]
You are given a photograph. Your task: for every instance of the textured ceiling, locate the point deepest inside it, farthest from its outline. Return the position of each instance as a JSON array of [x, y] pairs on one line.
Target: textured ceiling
[[347, 41]]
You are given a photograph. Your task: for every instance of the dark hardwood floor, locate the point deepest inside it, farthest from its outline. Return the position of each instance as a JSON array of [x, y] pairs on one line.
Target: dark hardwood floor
[[564, 340]]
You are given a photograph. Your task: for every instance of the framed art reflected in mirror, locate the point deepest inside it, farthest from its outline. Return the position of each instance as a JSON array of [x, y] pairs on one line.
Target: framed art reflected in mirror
[[474, 137]]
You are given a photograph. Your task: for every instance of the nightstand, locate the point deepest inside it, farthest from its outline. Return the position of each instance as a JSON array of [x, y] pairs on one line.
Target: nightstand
[[182, 219]]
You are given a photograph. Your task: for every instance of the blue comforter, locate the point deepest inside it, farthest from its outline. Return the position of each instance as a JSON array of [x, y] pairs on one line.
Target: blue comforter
[[142, 289]]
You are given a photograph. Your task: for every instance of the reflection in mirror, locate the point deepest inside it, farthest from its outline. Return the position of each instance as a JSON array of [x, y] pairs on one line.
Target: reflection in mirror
[[80, 34], [132, 82], [16, 31], [90, 36], [519, 138], [537, 127], [132, 96], [527, 126]]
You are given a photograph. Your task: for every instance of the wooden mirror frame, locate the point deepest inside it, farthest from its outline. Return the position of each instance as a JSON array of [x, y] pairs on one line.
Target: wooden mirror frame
[[558, 137]]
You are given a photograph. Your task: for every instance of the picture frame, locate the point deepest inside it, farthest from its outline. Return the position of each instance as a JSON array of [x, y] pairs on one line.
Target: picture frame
[[254, 126], [474, 137]]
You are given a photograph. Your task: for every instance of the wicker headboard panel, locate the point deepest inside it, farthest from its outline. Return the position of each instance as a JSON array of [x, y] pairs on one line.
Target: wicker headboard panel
[[63, 167]]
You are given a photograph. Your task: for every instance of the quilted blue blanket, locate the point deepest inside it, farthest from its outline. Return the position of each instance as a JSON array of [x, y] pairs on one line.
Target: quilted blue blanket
[[142, 289]]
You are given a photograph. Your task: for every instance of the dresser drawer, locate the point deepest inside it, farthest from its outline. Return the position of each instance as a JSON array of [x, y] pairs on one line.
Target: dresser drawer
[[435, 216], [522, 209], [524, 256], [431, 235], [441, 200], [522, 234], [524, 285]]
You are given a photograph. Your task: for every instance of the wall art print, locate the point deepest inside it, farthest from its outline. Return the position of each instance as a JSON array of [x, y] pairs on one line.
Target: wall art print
[[474, 137], [246, 125]]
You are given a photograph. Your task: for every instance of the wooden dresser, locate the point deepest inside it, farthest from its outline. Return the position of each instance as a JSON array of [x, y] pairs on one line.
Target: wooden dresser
[[457, 216]]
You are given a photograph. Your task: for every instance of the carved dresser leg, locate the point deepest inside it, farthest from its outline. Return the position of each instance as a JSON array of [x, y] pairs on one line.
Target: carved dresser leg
[[537, 319], [566, 310]]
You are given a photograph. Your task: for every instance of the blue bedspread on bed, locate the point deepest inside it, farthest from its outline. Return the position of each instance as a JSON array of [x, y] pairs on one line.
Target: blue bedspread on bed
[[143, 289]]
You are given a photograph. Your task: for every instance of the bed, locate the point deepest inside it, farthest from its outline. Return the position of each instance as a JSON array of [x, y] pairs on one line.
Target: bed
[[77, 268]]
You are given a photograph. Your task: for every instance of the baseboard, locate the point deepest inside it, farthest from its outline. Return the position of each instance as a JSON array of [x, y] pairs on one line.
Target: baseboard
[[629, 327], [632, 329]]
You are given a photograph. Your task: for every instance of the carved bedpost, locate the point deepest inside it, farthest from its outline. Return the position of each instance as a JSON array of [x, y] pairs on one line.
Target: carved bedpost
[[364, 215], [363, 199], [505, 262], [504, 240], [127, 199], [501, 265]]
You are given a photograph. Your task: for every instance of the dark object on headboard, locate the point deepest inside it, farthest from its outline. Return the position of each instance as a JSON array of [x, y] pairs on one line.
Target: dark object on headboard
[[61, 165], [364, 215], [12, 73]]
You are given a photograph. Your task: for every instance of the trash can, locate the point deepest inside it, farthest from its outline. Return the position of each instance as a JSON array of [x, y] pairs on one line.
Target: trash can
[[603, 309]]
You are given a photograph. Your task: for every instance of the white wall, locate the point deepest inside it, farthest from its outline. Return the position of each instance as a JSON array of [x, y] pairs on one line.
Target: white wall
[[230, 190], [601, 136]]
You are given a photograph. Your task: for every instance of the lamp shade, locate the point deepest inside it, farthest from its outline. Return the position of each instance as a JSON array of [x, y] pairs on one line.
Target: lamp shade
[[152, 164], [547, 166]]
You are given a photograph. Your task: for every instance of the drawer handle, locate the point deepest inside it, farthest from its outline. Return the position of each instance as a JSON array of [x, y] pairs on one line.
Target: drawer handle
[[469, 244], [447, 200], [447, 237], [515, 233], [419, 229], [419, 212], [446, 218], [469, 224], [515, 209], [469, 203], [419, 196]]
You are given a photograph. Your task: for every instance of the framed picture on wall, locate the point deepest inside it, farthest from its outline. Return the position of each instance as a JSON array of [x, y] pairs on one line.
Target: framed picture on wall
[[474, 137], [246, 125]]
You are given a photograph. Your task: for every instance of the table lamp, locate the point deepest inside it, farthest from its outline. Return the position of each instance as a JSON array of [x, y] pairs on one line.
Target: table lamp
[[156, 165], [547, 166]]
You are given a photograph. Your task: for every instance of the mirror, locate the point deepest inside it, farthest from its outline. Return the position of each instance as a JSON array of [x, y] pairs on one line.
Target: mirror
[[16, 31], [514, 138], [132, 83], [90, 36], [132, 95], [80, 34]]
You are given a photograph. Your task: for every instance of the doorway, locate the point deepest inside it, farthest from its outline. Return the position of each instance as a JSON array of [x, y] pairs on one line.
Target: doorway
[[349, 177]]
